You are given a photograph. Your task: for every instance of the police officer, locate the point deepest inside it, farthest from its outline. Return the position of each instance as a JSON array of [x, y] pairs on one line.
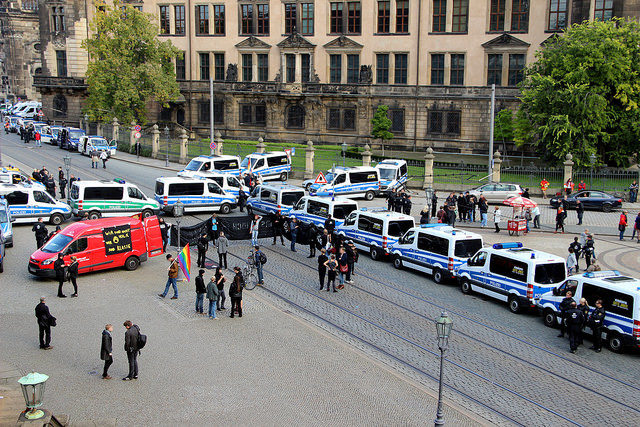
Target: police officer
[[391, 195], [330, 225], [596, 321], [242, 199], [565, 305], [278, 222], [313, 240], [63, 186], [203, 245], [406, 204], [50, 183], [41, 232], [575, 320]]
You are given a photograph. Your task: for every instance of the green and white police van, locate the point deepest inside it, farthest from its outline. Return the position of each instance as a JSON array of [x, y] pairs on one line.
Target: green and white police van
[[96, 199]]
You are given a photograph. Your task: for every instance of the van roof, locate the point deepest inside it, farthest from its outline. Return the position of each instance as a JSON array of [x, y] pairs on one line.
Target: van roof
[[281, 187], [335, 200], [527, 254], [172, 179], [392, 162], [267, 153], [384, 214], [215, 157], [447, 231], [612, 279], [83, 227], [95, 136], [355, 169], [101, 183]]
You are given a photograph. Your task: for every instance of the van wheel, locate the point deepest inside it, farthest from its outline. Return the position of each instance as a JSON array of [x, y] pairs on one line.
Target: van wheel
[[397, 262], [131, 263], [465, 286], [147, 213], [375, 253], [514, 304], [549, 318], [94, 215], [56, 219], [225, 209], [369, 195], [283, 176], [438, 276], [615, 342]]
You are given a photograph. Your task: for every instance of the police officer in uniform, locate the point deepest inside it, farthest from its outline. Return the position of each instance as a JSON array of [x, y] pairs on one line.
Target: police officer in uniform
[[596, 321], [203, 245], [565, 305], [391, 195], [406, 204], [330, 225], [41, 232], [575, 320], [313, 240]]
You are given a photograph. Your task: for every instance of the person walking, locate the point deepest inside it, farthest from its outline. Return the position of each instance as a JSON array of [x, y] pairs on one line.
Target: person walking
[[332, 267], [259, 259], [131, 337], [72, 270], [220, 280], [622, 224], [560, 216], [483, 208], [235, 292], [589, 251], [633, 191], [203, 246], [106, 350], [636, 227], [213, 294], [45, 321], [322, 268], [294, 226], [59, 268], [575, 320], [579, 211], [104, 157], [201, 290], [497, 217], [277, 221], [544, 185], [596, 322], [564, 307], [572, 262], [172, 279], [313, 240], [223, 246], [254, 229], [94, 158], [41, 232]]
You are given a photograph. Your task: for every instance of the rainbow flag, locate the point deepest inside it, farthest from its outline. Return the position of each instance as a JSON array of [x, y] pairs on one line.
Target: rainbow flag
[[184, 261]]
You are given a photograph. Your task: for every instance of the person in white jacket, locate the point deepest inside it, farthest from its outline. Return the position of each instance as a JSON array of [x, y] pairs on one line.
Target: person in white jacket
[[104, 157], [497, 216], [572, 262]]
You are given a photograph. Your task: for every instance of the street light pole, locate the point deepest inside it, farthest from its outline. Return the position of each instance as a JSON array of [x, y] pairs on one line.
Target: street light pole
[[444, 324], [593, 159], [67, 165], [428, 193], [344, 153], [166, 134], [491, 126]]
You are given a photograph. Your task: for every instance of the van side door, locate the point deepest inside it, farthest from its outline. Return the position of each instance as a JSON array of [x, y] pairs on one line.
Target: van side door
[[42, 203], [79, 248]]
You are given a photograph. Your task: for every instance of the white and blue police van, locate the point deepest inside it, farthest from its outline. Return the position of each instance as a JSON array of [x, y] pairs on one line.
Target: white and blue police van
[[14, 123], [231, 184], [88, 143], [5, 223], [268, 198], [393, 174], [214, 163], [373, 230], [359, 181], [197, 195], [13, 175], [73, 138], [620, 297], [27, 204], [435, 249], [269, 165], [316, 210], [512, 273], [41, 128]]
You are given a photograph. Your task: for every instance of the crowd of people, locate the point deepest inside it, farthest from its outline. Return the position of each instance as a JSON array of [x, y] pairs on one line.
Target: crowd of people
[[575, 317], [582, 247]]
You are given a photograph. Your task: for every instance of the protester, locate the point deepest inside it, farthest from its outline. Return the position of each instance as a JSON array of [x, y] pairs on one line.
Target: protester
[[235, 292], [425, 215], [45, 322], [434, 203], [72, 269], [223, 246], [172, 279], [497, 217], [220, 279], [131, 338], [577, 251], [544, 185], [636, 227], [59, 268], [254, 229], [213, 294], [572, 262], [332, 267], [41, 232], [203, 246], [106, 350], [322, 268], [201, 290], [633, 192], [214, 228], [622, 224], [95, 157], [278, 221], [596, 322], [343, 264], [352, 258], [483, 208], [568, 187], [582, 186], [560, 216], [294, 226], [579, 211]]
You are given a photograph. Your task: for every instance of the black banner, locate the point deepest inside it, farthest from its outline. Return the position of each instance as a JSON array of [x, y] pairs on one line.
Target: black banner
[[117, 239]]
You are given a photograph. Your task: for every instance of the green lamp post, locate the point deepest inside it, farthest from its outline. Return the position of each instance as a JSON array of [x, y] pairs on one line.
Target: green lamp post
[[33, 391]]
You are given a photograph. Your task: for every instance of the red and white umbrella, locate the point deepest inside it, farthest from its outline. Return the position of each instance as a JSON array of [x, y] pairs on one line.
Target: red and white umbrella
[[520, 202]]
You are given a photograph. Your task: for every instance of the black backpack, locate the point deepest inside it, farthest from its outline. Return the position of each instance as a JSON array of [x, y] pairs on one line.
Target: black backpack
[[142, 339], [263, 258]]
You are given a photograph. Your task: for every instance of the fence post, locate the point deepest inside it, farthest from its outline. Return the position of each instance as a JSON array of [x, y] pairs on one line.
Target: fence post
[[366, 155], [260, 147], [132, 138], [428, 168], [115, 132], [568, 168], [99, 128], [309, 156], [219, 142], [497, 163], [155, 141], [184, 139]]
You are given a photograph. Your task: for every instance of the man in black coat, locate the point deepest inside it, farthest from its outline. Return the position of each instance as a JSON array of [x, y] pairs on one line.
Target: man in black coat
[[330, 225], [434, 204], [203, 245], [313, 240], [277, 221], [44, 324], [406, 204], [322, 269], [596, 322], [59, 267], [564, 307], [164, 232], [106, 350], [575, 320], [41, 232], [131, 347]]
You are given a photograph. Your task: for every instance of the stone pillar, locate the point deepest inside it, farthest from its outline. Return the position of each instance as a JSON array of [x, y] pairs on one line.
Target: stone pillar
[[568, 168], [99, 128], [428, 168], [308, 160], [132, 138], [155, 141], [219, 143], [366, 156], [184, 139], [497, 163], [260, 147], [115, 132]]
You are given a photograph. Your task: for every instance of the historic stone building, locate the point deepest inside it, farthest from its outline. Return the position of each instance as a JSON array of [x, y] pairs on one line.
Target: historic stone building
[[318, 69]]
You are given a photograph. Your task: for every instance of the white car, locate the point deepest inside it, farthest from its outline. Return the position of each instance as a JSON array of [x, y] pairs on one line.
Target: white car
[[497, 192]]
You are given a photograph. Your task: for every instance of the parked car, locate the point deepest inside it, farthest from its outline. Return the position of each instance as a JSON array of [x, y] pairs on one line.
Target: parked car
[[497, 192], [590, 199]]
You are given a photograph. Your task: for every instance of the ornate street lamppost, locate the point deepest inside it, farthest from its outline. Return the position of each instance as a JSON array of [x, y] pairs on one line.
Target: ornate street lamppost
[[33, 391], [166, 134], [428, 193], [344, 153], [67, 165], [444, 324], [178, 211]]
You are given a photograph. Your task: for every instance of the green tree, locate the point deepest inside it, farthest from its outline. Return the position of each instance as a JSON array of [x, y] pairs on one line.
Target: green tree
[[503, 126], [129, 66], [582, 94], [381, 125]]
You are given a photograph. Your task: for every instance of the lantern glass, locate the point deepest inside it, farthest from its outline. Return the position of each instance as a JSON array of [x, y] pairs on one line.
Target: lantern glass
[[444, 324], [428, 193], [179, 209], [344, 147], [33, 386], [67, 161]]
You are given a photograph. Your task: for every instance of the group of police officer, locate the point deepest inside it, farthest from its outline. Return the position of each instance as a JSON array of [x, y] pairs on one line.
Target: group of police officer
[[399, 201], [576, 317], [44, 177]]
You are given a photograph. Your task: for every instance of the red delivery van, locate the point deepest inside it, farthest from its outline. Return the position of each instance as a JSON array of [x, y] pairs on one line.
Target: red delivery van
[[100, 244]]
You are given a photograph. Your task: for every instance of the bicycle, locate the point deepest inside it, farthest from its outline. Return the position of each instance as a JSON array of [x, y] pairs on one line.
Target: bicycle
[[249, 272]]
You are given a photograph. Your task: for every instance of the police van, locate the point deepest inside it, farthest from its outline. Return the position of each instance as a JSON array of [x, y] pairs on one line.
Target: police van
[[620, 297], [14, 123], [197, 195], [435, 249], [5, 223], [373, 230], [268, 198], [316, 210], [88, 143], [270, 165], [13, 175], [360, 181], [96, 199], [50, 135], [512, 273], [27, 204], [218, 163], [72, 139], [229, 183], [393, 174]]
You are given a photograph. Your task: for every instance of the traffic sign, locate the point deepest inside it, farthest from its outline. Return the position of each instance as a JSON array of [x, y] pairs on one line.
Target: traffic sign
[[293, 151], [213, 145], [137, 128], [40, 113], [287, 152], [320, 179], [137, 135]]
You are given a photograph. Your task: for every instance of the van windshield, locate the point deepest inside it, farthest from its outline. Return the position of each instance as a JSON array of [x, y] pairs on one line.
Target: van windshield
[[193, 165], [549, 274], [245, 163], [467, 248], [290, 199], [56, 244], [398, 228], [343, 211], [3, 217], [387, 174], [75, 134]]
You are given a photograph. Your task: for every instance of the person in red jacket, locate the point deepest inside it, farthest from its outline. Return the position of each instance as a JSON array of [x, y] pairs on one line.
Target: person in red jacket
[[622, 225], [37, 138], [582, 186]]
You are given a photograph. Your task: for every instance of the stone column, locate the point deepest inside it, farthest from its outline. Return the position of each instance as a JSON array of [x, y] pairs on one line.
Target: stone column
[[115, 132], [132, 138], [219, 143], [366, 156], [155, 141], [568, 168], [260, 147], [308, 160], [184, 139], [497, 163], [99, 128], [428, 168]]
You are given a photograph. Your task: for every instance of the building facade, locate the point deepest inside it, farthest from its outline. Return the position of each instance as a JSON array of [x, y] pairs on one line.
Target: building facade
[[317, 69]]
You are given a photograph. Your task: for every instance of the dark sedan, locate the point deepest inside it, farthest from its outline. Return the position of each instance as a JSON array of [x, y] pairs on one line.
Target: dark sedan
[[590, 199]]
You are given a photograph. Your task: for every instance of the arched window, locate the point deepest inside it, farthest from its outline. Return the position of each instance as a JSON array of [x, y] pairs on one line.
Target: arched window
[[295, 117], [59, 106]]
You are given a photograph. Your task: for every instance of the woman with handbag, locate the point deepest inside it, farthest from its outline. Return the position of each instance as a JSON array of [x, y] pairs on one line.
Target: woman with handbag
[[343, 266], [72, 273]]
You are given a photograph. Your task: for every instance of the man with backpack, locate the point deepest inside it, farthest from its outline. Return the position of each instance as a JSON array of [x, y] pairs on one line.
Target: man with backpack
[[133, 342], [260, 258]]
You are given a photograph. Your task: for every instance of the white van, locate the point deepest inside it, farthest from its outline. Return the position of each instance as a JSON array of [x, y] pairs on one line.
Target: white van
[[620, 297], [229, 183], [30, 111], [27, 204], [435, 249], [316, 210], [13, 175], [393, 174], [198, 195], [373, 230], [270, 165], [360, 181], [88, 143], [96, 199], [223, 164], [509, 272], [267, 198]]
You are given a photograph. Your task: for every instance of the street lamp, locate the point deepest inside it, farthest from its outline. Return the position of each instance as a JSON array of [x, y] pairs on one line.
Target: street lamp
[[67, 165], [444, 324], [33, 391], [86, 122], [428, 193], [166, 134], [593, 159], [178, 211], [344, 153]]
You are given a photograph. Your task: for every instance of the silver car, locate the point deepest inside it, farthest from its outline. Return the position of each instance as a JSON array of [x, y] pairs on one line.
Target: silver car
[[497, 192]]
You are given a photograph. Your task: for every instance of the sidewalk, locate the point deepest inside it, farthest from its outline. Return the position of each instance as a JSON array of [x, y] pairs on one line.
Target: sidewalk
[[11, 400]]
